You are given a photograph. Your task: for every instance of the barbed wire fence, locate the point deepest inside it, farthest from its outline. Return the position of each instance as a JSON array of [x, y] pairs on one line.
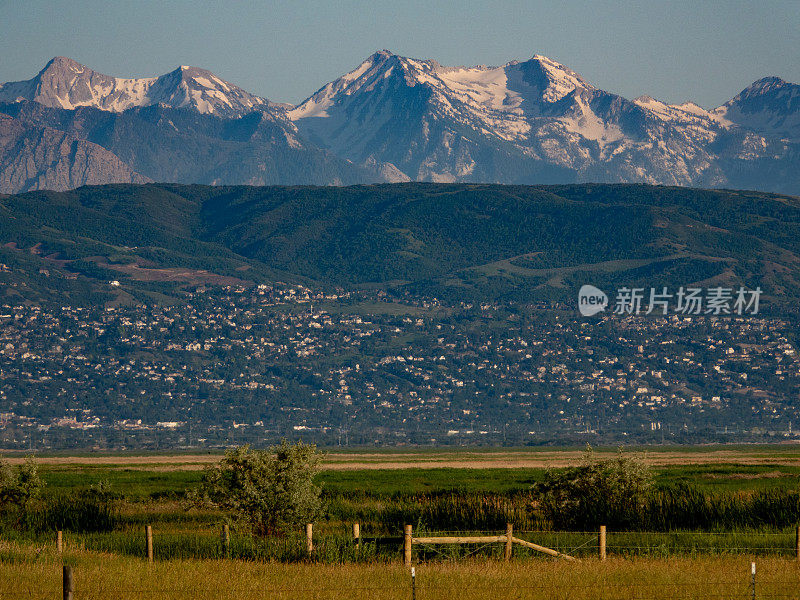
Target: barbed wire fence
[[581, 545]]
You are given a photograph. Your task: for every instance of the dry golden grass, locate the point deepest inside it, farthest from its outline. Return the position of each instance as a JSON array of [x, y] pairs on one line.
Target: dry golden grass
[[24, 573], [347, 461]]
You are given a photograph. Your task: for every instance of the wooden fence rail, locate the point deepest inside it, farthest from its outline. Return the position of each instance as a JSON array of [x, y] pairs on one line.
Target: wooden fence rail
[[508, 539], [542, 549], [478, 539]]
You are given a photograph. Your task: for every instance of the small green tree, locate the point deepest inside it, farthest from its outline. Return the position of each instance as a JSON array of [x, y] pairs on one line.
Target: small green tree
[[598, 492], [273, 491], [20, 486]]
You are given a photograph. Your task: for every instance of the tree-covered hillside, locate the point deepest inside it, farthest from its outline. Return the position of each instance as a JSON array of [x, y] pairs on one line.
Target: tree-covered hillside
[[475, 242]]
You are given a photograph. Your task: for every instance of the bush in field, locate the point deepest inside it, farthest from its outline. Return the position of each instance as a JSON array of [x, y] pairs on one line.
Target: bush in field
[[273, 491], [599, 492], [20, 486]]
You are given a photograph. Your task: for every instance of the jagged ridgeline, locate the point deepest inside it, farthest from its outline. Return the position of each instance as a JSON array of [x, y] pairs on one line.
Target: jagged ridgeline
[[452, 241]]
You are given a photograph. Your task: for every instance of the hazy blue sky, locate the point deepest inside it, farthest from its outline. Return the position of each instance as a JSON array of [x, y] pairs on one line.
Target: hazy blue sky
[[705, 51]]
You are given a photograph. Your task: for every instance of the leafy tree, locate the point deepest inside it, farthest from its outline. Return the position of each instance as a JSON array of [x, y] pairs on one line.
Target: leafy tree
[[20, 486], [598, 492], [273, 491]]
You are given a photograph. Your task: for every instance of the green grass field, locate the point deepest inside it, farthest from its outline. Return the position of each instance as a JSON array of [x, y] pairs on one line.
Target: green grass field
[[382, 490], [140, 483]]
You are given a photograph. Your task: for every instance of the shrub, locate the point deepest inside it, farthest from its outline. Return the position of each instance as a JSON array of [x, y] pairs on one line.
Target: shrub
[[19, 489], [599, 492], [272, 491], [20, 486]]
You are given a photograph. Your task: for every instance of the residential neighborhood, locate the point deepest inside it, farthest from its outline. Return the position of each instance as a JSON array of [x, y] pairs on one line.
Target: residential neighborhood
[[255, 364]]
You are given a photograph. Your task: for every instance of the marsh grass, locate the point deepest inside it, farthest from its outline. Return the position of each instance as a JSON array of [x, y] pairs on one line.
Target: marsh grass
[[458, 510], [678, 507]]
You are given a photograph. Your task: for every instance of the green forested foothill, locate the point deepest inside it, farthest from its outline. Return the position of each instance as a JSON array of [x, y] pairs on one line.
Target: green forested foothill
[[477, 242]]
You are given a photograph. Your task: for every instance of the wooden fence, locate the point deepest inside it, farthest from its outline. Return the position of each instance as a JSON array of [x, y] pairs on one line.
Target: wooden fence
[[409, 540]]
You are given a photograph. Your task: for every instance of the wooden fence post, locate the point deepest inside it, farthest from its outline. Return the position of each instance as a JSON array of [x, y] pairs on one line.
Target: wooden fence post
[[509, 540], [407, 545], [68, 583], [59, 541], [797, 543], [148, 533], [357, 534], [226, 541], [602, 542], [309, 539]]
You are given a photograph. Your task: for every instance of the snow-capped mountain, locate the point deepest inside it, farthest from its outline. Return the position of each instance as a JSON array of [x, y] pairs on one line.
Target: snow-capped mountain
[[431, 122], [770, 106], [536, 121], [64, 83], [495, 97], [394, 118], [188, 126]]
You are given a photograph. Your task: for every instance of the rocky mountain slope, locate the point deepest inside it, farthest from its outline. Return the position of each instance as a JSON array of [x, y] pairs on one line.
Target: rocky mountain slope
[[183, 146], [38, 157]]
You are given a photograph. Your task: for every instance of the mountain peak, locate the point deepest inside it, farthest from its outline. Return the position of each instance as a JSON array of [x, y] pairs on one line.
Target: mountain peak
[[769, 105], [62, 69], [189, 71], [762, 87], [65, 83], [769, 82], [383, 53], [552, 78], [60, 62]]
